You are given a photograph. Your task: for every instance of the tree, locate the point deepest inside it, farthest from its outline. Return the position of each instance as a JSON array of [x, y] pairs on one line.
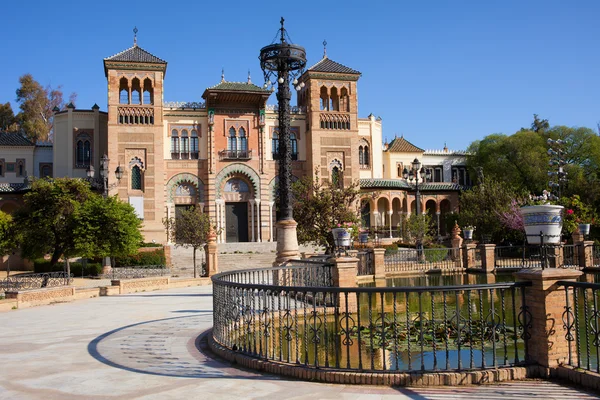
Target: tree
[[107, 227], [419, 228], [37, 105], [48, 221], [539, 125], [483, 205], [319, 208], [8, 122], [191, 229], [8, 236]]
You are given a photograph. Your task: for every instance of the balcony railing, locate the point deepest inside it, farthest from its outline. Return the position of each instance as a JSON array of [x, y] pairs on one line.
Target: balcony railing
[[184, 155], [235, 155]]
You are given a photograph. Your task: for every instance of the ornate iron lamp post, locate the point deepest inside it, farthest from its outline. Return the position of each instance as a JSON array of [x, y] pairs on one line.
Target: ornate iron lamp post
[[557, 160], [283, 60], [416, 172], [102, 181]]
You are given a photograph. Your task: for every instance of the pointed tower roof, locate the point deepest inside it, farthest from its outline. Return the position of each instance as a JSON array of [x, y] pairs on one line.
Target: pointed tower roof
[[401, 145], [134, 55], [328, 65]]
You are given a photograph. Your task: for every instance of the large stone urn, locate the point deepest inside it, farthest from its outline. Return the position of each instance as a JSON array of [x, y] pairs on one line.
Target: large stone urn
[[545, 219]]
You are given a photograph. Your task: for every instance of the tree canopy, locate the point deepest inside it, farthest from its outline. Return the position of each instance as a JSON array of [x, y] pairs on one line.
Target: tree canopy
[[36, 103], [319, 208], [190, 229]]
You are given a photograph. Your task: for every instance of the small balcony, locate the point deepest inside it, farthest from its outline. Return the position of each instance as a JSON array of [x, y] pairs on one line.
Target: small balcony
[[235, 155]]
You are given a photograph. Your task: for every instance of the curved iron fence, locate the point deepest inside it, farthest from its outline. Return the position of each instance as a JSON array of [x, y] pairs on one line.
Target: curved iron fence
[[35, 281], [293, 315]]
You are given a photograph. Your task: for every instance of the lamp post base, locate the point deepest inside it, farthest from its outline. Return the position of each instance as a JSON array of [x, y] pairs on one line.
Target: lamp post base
[[287, 242]]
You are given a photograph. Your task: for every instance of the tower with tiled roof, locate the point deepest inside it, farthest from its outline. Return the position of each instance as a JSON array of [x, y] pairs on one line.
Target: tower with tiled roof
[[136, 138], [330, 98]]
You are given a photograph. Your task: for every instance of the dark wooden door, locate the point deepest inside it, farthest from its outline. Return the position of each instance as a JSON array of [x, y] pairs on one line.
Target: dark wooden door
[[179, 208], [236, 221]]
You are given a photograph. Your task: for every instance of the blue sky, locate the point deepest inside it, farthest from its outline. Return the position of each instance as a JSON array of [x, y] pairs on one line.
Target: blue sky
[[435, 71]]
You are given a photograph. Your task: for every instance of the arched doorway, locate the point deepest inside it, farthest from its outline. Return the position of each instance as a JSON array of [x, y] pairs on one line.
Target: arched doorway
[[445, 209], [236, 193], [365, 213]]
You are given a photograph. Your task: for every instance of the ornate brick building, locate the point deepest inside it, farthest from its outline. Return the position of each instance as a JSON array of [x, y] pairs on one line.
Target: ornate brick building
[[221, 153]]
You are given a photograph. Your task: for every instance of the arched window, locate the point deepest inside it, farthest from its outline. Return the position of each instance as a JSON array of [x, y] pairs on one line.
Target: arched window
[[123, 91], [324, 99], [83, 152], [335, 100], [174, 144], [46, 171], [136, 178], [136, 91], [294, 146], [243, 142], [232, 141], [194, 145], [366, 156], [148, 92], [185, 145], [275, 145], [361, 156], [344, 100], [335, 177]]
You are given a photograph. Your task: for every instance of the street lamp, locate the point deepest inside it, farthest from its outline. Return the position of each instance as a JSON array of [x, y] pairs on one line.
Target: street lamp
[[416, 172], [557, 159], [281, 61], [102, 182]]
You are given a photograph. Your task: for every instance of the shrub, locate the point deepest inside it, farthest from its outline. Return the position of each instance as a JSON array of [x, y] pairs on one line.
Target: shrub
[[77, 269], [149, 258], [436, 253], [150, 244], [390, 249]]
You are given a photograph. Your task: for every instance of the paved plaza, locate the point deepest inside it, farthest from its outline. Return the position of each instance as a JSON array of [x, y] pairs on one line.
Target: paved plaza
[[150, 346]]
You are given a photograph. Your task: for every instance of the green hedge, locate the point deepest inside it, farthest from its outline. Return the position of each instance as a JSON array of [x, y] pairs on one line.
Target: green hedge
[[146, 258], [436, 253], [150, 244], [77, 268]]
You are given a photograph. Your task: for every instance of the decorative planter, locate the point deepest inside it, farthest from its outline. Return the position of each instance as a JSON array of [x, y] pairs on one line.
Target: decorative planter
[[542, 218], [468, 234], [341, 237], [584, 229], [363, 237]]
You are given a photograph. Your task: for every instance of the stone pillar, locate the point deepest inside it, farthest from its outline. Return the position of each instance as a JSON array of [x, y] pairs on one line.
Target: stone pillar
[[390, 213], [271, 221], [106, 266], [488, 257], [378, 263], [586, 254], [468, 255], [545, 300], [168, 261], [456, 241], [211, 251], [577, 236], [287, 242], [252, 226], [344, 273], [258, 221]]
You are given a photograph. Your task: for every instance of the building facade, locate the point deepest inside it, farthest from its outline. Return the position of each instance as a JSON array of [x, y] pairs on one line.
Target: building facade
[[221, 153]]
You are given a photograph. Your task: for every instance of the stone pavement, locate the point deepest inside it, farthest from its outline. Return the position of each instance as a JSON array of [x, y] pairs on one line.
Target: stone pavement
[[146, 346]]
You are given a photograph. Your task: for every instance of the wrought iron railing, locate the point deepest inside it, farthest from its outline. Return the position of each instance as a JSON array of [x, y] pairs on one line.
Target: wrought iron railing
[[365, 263], [266, 315], [235, 154], [595, 255], [136, 272], [581, 324], [405, 260], [570, 256], [518, 257], [35, 281]]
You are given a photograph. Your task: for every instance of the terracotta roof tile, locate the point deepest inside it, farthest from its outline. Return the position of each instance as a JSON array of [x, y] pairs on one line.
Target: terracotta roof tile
[[238, 86], [401, 145], [136, 54], [14, 139], [327, 65]]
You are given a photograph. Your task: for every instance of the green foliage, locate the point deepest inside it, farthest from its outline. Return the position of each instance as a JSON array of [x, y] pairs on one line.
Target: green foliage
[[37, 103], [8, 235], [145, 258], [150, 244], [107, 227], [390, 249], [48, 220], [8, 122], [319, 208], [190, 229], [436, 253], [576, 212], [482, 205], [77, 268], [419, 228]]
